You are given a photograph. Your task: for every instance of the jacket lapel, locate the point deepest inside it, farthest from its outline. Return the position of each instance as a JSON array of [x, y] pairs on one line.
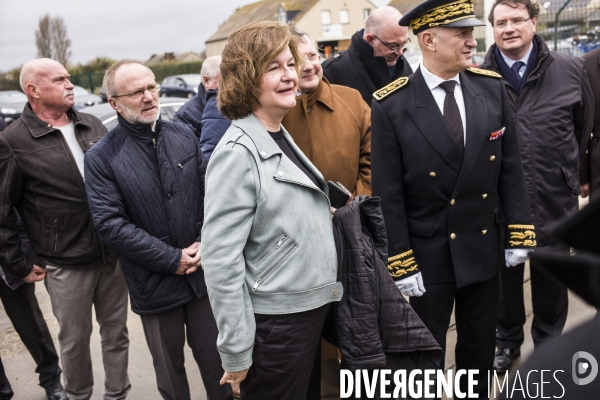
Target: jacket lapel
[[476, 113], [266, 147], [431, 123]]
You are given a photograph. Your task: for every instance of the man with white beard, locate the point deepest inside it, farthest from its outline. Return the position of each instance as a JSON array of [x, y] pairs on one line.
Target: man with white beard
[[145, 185]]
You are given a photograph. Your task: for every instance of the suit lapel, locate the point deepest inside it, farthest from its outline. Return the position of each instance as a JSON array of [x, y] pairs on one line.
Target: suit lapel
[[431, 123], [476, 113]]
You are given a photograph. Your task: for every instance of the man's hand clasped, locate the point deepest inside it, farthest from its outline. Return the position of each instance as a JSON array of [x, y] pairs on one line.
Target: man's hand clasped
[[190, 259], [411, 286], [38, 273], [515, 257]]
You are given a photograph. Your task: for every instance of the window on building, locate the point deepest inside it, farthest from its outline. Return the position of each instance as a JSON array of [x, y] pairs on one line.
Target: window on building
[[344, 17], [325, 17], [366, 13]]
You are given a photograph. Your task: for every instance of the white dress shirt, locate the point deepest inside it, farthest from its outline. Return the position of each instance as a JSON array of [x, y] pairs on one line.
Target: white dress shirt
[[68, 132], [433, 81]]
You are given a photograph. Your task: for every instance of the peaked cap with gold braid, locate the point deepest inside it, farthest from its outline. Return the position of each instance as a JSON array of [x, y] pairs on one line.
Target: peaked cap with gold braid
[[456, 14]]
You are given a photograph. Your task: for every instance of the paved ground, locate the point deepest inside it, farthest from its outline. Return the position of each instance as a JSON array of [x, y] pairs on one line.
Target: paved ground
[[20, 366]]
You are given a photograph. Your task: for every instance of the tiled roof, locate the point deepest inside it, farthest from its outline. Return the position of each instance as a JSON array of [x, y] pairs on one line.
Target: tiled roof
[[265, 10]]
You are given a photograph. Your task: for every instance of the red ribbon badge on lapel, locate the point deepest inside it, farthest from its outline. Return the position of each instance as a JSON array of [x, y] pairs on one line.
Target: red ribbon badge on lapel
[[497, 134]]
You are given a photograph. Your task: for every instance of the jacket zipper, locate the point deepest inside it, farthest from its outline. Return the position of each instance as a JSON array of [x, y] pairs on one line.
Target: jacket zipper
[[55, 234], [328, 202], [82, 187], [155, 145], [185, 160], [277, 245], [530, 75], [272, 267], [538, 65]]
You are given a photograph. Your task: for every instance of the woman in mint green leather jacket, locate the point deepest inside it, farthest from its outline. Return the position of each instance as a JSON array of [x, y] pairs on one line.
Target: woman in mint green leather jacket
[[268, 250]]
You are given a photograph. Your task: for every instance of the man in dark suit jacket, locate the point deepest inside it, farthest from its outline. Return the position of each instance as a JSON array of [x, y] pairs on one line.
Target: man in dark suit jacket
[[552, 102], [445, 161], [375, 56]]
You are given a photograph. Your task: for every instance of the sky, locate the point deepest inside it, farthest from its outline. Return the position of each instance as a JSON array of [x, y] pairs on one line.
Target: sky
[[114, 28]]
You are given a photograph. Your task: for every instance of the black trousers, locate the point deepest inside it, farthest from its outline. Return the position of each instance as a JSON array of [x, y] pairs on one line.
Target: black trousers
[[286, 357], [549, 300], [166, 334], [23, 309], [475, 314]]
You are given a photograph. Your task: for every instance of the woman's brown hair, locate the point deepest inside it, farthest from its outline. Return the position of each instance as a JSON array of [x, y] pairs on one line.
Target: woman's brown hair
[[244, 61]]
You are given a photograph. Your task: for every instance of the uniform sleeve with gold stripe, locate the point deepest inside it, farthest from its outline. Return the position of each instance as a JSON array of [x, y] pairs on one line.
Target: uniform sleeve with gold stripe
[[521, 236], [387, 178]]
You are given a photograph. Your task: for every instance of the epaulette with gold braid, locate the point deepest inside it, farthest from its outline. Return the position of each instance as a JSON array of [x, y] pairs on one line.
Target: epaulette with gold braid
[[521, 235], [402, 264], [484, 72], [391, 88]]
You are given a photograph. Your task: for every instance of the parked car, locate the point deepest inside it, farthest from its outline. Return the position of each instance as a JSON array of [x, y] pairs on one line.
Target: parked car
[[12, 103], [102, 95], [105, 113], [180, 85], [83, 98]]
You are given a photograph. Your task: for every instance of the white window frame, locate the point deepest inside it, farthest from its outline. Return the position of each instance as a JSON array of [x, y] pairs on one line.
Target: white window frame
[[325, 17]]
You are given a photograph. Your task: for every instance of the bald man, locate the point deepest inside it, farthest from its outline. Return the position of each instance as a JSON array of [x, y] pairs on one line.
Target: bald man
[[375, 56], [42, 176]]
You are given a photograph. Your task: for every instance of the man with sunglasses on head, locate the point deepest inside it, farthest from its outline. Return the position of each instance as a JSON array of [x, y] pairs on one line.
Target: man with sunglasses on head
[[375, 56], [145, 185], [42, 178], [553, 104]]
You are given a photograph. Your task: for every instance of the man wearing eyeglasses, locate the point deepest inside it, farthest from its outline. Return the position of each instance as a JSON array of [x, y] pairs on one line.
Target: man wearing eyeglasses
[[42, 177], [552, 100], [145, 185], [374, 57]]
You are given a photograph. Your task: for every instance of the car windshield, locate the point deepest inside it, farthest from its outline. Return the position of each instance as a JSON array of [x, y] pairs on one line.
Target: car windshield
[[79, 91], [193, 80], [12, 97]]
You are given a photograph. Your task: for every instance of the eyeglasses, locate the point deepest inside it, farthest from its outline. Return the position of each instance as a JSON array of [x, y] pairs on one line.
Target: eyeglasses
[[515, 23], [134, 95], [312, 57], [395, 48]]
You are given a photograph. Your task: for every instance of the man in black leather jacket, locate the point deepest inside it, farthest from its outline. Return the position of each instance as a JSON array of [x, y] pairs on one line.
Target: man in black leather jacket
[[42, 177]]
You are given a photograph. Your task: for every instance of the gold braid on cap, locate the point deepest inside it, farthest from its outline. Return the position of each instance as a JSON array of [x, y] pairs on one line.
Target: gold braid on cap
[[460, 9]]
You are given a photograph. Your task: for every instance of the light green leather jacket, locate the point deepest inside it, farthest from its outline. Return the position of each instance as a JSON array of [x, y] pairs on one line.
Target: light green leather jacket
[[267, 238]]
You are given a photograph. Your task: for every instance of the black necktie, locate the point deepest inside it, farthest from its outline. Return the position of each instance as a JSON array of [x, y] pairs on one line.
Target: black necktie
[[516, 67], [452, 115]]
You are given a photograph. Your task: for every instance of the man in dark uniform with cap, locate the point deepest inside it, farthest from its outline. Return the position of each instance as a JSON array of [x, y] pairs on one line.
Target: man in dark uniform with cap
[[445, 162]]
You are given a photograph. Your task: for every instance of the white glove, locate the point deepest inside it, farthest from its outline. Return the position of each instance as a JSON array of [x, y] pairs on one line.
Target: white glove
[[411, 286], [515, 257]]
